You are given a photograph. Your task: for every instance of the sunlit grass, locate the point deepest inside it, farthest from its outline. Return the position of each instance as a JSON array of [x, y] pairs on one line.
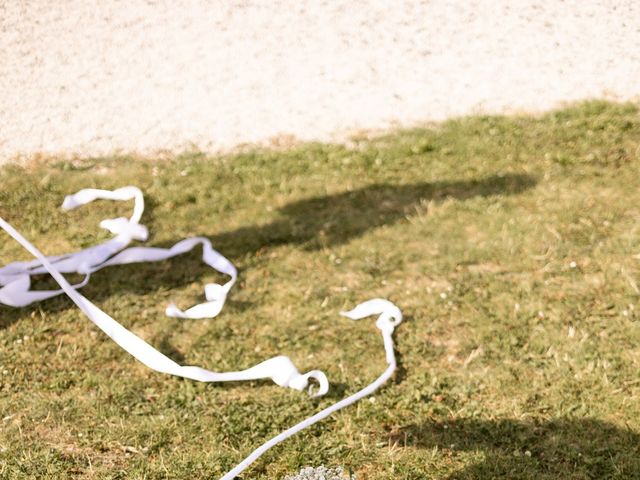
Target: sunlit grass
[[511, 245]]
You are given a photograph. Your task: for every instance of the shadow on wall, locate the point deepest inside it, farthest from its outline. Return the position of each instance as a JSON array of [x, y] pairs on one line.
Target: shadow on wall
[[555, 449], [312, 223]]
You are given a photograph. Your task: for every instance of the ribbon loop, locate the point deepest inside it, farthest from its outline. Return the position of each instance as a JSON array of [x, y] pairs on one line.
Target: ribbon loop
[[15, 284], [280, 369], [123, 226], [390, 316], [303, 381], [115, 252]]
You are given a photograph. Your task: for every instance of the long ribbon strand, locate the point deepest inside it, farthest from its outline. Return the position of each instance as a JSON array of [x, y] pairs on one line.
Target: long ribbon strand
[[15, 291], [280, 369], [389, 317]]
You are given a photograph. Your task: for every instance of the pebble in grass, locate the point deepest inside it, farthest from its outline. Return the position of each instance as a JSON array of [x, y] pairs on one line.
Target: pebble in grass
[[321, 473]]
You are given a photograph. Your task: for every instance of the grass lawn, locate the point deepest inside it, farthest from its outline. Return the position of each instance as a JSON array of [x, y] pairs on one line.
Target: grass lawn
[[512, 245]]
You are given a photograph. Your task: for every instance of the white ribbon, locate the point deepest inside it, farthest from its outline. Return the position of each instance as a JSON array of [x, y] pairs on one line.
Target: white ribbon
[[389, 317], [15, 282], [280, 369], [15, 291]]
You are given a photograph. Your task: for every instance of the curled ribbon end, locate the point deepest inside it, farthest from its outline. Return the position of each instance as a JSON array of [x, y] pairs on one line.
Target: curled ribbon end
[[323, 384], [122, 225], [316, 388], [69, 203], [172, 310], [376, 306]]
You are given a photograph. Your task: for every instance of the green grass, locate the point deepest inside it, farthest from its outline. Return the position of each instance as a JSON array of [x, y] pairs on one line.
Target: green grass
[[511, 245]]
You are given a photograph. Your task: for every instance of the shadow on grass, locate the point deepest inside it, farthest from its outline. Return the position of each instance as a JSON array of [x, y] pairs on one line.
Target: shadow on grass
[[560, 448], [331, 220], [311, 224]]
